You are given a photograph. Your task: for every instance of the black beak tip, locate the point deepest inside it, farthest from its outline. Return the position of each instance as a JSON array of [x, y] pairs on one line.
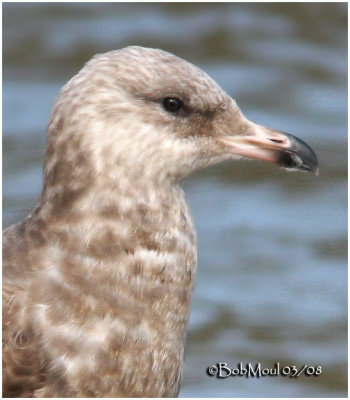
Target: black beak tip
[[299, 156]]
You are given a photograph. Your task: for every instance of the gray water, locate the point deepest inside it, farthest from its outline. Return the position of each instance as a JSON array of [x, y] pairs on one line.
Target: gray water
[[272, 272]]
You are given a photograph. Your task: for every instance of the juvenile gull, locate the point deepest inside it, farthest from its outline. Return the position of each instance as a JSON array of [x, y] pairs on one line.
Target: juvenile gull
[[97, 281]]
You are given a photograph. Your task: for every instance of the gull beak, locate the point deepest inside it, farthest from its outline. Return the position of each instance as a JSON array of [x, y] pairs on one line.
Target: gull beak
[[274, 146]]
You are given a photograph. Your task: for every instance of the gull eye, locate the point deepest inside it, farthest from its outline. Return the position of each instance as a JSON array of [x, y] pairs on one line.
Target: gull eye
[[172, 104]]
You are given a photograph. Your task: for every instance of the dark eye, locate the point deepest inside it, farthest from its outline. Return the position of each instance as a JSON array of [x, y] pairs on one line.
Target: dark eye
[[172, 104]]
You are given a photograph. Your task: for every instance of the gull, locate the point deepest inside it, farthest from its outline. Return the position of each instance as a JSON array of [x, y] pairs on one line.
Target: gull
[[97, 280]]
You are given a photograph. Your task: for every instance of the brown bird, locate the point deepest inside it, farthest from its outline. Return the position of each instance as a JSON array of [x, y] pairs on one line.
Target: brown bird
[[97, 280]]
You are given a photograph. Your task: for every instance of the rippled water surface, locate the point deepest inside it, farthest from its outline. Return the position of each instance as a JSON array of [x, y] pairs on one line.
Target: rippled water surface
[[272, 272]]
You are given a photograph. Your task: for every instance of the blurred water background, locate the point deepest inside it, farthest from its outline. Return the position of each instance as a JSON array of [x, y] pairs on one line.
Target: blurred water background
[[272, 273]]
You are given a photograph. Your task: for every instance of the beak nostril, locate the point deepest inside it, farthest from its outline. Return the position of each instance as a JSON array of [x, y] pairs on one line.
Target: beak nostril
[[276, 140]]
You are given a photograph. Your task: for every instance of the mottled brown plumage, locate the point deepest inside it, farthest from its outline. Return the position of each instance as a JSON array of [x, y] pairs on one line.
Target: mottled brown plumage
[[97, 281]]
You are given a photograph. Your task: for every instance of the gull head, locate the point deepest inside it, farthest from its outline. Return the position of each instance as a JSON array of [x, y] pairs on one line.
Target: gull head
[[142, 112]]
